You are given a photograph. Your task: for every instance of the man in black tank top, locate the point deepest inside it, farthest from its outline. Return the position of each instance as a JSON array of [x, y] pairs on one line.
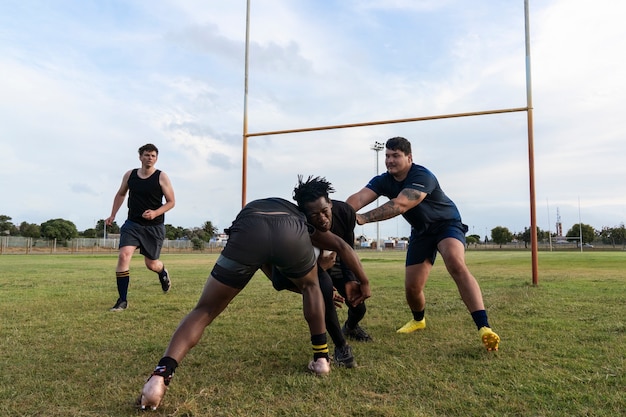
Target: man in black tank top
[[145, 225]]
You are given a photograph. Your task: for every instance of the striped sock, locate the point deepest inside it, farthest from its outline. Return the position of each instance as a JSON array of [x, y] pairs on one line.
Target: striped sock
[[320, 346], [123, 280]]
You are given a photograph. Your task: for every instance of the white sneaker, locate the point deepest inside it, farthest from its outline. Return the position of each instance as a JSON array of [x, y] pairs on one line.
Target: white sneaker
[[320, 367], [152, 393]]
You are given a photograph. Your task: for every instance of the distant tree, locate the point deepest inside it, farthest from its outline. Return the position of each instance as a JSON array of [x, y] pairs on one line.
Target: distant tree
[[114, 228], [6, 226], [30, 230], [524, 236], [588, 232], [59, 229], [209, 229], [197, 243], [204, 233], [173, 233], [501, 235], [472, 239], [90, 233], [614, 235]]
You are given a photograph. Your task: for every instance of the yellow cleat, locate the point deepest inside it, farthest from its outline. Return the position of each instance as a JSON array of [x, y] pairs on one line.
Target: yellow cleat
[[412, 326], [489, 338]]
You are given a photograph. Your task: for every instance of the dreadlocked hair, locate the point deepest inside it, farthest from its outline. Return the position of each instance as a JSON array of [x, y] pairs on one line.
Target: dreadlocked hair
[[311, 189]]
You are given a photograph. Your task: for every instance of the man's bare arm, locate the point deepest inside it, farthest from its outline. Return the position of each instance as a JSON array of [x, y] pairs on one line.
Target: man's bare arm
[[361, 198], [406, 200]]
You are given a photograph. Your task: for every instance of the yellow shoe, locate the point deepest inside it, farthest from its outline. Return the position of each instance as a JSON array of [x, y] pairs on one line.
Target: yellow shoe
[[412, 326], [489, 338]]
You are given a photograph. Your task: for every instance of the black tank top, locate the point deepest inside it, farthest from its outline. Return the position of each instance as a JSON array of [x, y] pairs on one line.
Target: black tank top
[[144, 194]]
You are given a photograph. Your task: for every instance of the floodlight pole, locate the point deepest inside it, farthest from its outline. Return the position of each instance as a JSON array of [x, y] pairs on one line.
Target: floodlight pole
[[377, 147], [531, 152]]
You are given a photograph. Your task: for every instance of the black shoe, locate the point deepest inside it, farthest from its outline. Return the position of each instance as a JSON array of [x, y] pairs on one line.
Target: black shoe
[[357, 334], [343, 356], [164, 278], [119, 305]]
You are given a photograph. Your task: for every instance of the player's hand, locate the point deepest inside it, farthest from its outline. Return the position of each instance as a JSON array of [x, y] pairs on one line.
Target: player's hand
[[326, 260], [338, 300], [360, 220], [357, 293], [366, 293], [148, 214]]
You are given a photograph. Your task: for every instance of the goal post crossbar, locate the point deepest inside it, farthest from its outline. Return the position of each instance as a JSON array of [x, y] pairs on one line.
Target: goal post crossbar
[[385, 122]]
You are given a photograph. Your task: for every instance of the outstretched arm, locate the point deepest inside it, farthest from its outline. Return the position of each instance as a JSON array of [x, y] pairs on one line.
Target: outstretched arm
[[406, 200], [361, 198]]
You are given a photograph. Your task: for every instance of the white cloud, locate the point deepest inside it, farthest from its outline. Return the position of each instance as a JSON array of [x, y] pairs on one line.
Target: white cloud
[[84, 87]]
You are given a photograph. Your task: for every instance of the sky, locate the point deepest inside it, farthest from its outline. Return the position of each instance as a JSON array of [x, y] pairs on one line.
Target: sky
[[85, 83]]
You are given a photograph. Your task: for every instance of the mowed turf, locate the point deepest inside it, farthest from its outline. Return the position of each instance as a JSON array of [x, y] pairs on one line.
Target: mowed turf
[[563, 344]]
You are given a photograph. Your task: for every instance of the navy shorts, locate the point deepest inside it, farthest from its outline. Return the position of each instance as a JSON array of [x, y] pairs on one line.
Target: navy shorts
[[255, 239], [149, 239], [423, 245]]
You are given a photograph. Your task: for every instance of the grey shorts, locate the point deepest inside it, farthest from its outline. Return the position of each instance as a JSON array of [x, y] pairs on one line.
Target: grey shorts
[[149, 239]]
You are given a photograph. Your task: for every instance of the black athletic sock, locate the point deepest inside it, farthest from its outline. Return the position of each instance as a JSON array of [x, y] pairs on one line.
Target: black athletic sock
[[332, 321], [166, 368], [123, 280], [355, 315], [480, 318], [418, 315], [162, 273], [320, 346]]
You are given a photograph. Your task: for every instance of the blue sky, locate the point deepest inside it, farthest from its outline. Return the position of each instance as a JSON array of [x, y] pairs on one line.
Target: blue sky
[[86, 83]]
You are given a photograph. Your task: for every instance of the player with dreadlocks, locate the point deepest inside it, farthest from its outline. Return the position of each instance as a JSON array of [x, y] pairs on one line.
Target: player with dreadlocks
[[312, 197]]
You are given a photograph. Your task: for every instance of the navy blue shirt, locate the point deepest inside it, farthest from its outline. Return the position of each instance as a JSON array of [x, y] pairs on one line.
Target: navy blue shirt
[[434, 209]]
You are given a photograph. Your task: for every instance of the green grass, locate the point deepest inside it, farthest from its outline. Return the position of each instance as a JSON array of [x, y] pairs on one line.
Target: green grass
[[562, 353]]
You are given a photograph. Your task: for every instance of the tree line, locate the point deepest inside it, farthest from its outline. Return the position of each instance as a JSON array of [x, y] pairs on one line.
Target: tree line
[[63, 230], [613, 236]]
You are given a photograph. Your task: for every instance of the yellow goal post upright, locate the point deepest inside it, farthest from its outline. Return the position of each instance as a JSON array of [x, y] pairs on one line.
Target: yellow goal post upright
[[528, 109]]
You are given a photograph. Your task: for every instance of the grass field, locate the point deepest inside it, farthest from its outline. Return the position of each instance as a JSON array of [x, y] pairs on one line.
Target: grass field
[[563, 350]]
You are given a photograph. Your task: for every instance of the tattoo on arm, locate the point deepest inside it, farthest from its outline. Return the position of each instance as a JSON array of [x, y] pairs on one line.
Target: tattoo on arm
[[411, 194], [390, 208], [384, 212]]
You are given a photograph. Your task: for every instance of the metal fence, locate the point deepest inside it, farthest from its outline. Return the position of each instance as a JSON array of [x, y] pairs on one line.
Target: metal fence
[[27, 245]]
